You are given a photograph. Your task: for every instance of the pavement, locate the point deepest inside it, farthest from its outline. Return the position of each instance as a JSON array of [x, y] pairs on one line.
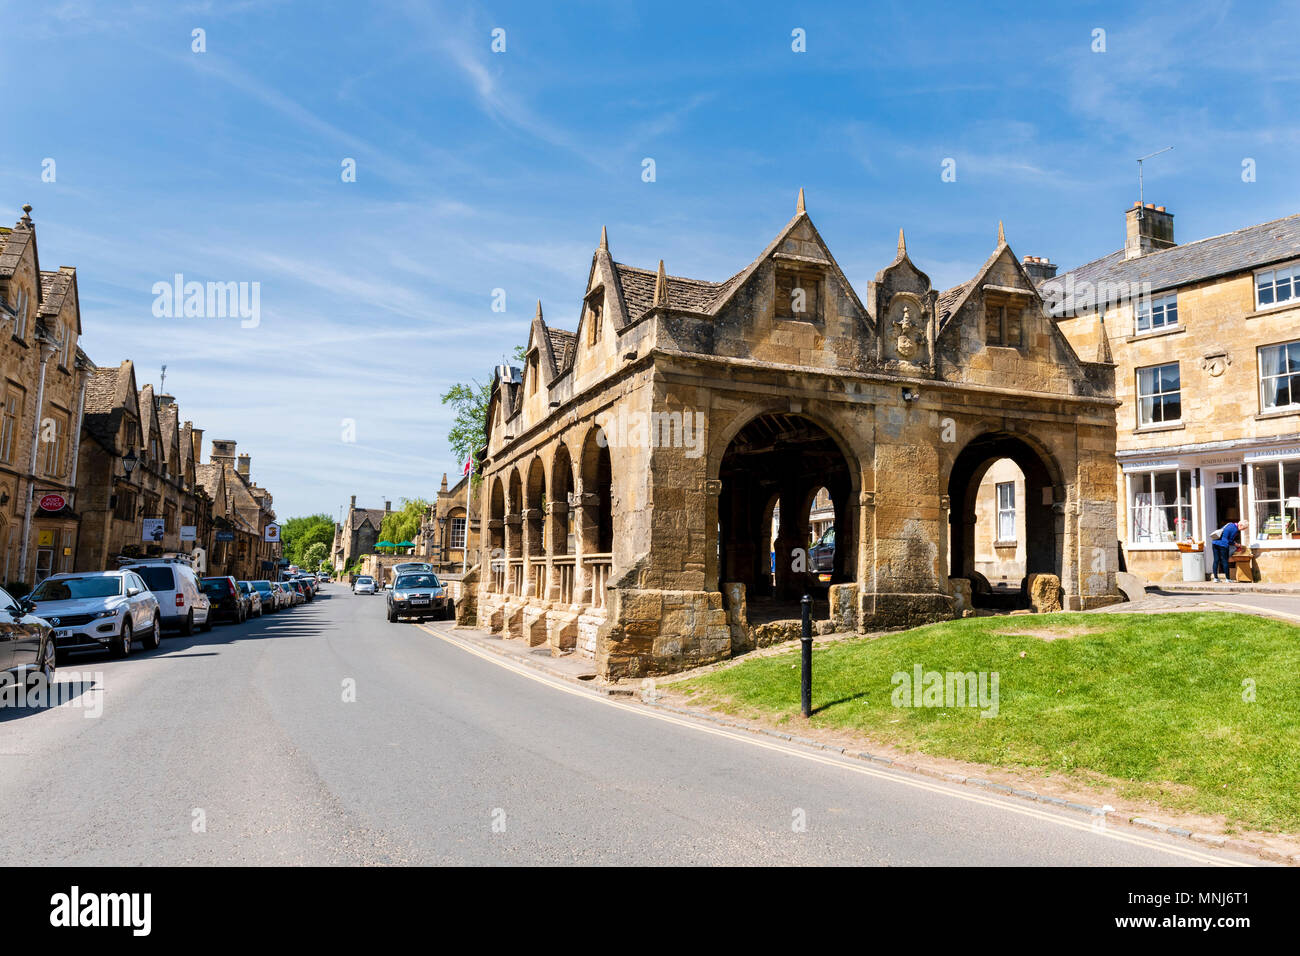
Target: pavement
[[326, 735], [1275, 601]]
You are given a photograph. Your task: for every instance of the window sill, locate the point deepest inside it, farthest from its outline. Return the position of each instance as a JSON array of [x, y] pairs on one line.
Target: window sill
[[1006, 544], [1149, 429], [1156, 333], [1163, 546], [1275, 544], [1278, 413], [1274, 309]]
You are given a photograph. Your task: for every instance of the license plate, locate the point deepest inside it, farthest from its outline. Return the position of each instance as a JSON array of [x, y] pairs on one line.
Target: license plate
[[58, 635], [419, 600]]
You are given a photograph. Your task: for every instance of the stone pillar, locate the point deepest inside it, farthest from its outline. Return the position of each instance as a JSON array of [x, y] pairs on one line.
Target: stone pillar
[[712, 492], [514, 547]]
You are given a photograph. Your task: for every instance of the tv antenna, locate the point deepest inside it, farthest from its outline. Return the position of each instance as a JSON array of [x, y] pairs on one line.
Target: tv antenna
[[162, 381], [1141, 197]]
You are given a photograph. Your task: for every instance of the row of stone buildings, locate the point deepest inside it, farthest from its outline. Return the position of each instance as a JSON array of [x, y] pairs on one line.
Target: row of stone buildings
[[95, 468]]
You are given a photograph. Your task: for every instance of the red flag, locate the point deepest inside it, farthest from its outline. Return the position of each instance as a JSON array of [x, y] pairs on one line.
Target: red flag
[[467, 464]]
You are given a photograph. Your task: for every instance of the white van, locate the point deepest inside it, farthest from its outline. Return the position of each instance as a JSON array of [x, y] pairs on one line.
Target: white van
[[183, 604]]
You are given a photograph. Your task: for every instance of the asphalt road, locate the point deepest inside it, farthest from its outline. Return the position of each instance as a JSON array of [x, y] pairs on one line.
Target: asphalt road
[[238, 747]]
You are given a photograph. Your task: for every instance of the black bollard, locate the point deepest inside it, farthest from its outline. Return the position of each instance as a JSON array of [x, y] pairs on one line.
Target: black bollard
[[805, 669]]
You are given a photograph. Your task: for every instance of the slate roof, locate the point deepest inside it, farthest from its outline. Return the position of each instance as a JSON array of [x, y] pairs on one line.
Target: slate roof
[[563, 346], [948, 300], [1239, 251], [11, 250], [54, 288], [693, 295], [104, 409]]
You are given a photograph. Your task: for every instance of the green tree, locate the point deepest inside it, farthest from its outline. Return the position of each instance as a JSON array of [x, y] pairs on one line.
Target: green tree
[[404, 524], [469, 428], [315, 554], [298, 534]]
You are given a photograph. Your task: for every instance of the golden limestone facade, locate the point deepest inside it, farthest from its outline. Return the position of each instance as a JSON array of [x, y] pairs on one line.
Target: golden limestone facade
[[633, 466], [1205, 337]]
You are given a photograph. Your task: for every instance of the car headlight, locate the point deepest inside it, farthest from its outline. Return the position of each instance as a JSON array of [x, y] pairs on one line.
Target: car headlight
[[400, 595], [111, 612]]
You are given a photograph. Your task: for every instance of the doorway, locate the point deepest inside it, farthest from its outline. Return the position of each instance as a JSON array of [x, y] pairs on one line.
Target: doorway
[[1223, 504]]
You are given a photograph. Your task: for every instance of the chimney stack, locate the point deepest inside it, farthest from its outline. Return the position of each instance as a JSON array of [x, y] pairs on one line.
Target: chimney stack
[[388, 506], [165, 399], [1147, 228], [196, 437], [223, 452], [353, 506], [1039, 268], [245, 463]]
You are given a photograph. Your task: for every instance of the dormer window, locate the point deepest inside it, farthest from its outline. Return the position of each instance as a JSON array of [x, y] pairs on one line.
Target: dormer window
[[595, 310], [798, 296], [1002, 325]]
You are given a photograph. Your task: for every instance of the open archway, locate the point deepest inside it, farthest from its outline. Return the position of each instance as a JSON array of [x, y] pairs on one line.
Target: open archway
[[778, 462], [1037, 520]]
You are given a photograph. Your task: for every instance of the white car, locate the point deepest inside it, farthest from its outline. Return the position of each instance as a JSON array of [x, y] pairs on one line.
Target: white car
[[363, 585], [98, 610], [180, 597]]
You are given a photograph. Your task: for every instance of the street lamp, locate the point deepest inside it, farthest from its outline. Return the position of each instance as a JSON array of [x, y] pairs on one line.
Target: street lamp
[[442, 541], [129, 461]]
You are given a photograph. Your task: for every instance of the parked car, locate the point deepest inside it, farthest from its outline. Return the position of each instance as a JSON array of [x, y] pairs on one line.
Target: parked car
[[98, 610], [363, 585], [295, 594], [27, 650], [182, 602], [254, 598], [229, 603], [406, 567], [309, 585], [297, 584], [821, 555], [272, 597], [323, 577], [418, 595]]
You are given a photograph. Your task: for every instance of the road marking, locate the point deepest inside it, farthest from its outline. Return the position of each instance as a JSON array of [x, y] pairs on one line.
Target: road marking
[[841, 763]]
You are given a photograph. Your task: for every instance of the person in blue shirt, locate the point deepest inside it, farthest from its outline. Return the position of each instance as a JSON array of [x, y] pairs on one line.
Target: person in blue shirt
[[1224, 545]]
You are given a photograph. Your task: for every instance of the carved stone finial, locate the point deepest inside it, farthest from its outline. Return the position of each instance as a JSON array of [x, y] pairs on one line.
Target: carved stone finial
[[799, 208], [1002, 236], [902, 243], [539, 308], [604, 239], [661, 286]]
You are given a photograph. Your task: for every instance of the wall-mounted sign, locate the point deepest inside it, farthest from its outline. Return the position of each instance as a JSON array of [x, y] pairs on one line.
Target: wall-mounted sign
[[53, 502], [225, 536], [272, 532], [189, 532], [153, 529], [45, 539]]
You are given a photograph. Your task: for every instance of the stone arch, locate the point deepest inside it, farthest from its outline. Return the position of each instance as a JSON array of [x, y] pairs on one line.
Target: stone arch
[[597, 505], [496, 528], [1044, 496], [561, 521], [790, 455]]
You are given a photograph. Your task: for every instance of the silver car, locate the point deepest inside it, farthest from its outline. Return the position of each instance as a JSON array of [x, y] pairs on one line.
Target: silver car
[[98, 610]]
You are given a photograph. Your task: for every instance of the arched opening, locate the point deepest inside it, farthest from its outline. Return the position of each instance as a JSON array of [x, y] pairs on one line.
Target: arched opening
[[770, 475], [534, 527], [1000, 526], [497, 535], [598, 494], [562, 528], [514, 534], [1039, 529]]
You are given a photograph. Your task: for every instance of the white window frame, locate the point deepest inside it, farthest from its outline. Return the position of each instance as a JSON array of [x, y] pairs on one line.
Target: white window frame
[[457, 532], [1269, 278], [1156, 313], [1006, 512], [1133, 483], [1286, 373], [1256, 526], [1137, 386]]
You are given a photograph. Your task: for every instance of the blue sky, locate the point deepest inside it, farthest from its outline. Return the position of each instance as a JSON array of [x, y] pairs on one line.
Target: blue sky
[[479, 170]]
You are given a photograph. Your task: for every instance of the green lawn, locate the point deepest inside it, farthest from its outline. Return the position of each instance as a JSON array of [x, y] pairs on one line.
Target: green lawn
[[1151, 703]]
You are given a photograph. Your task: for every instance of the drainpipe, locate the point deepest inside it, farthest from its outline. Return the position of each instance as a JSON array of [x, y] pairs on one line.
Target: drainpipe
[[48, 349]]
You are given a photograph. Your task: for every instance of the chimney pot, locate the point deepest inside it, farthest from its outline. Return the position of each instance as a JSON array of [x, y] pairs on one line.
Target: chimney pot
[[1147, 228]]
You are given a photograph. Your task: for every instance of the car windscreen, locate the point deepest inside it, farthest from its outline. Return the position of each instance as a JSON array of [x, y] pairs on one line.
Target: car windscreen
[[365, 580], [262, 585], [216, 586], [416, 581], [70, 589], [157, 578]]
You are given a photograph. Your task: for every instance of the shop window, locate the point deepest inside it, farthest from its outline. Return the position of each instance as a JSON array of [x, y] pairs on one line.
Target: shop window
[[1160, 507], [1277, 500]]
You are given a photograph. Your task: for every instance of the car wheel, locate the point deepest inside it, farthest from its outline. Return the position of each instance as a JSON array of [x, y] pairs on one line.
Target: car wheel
[[154, 638], [188, 627], [207, 623], [392, 616], [121, 645], [42, 679]]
